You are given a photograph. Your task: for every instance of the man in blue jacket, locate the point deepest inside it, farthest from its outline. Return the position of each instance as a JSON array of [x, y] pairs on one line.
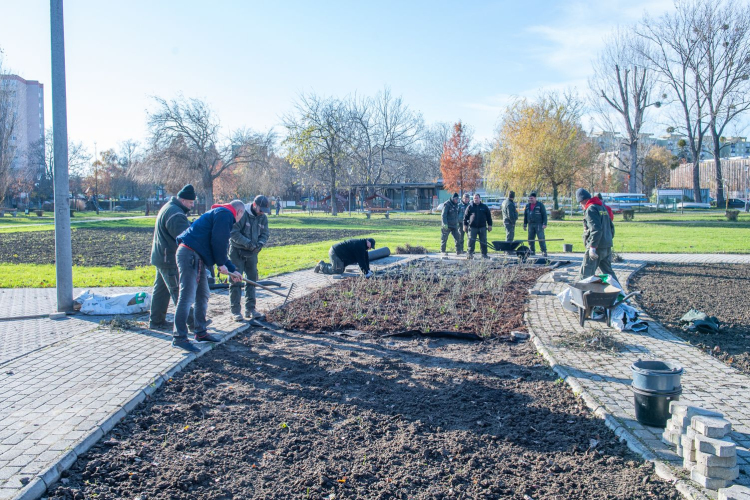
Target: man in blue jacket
[[202, 245]]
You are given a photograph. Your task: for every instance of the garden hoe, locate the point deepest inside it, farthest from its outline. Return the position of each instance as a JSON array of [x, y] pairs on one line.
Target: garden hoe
[[253, 283]]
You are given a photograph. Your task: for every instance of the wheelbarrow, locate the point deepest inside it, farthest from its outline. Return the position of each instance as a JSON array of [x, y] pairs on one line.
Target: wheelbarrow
[[587, 296], [521, 251]]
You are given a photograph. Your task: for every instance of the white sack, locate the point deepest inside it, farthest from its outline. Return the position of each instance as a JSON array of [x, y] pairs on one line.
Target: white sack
[[124, 303]]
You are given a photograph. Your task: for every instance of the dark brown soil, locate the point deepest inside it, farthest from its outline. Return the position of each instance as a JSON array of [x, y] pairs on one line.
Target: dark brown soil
[[278, 415], [669, 291], [426, 296], [128, 247]]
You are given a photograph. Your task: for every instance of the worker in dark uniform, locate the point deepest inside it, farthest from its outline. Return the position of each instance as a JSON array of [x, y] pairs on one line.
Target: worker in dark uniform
[[598, 236], [452, 218], [510, 216], [535, 219], [348, 252], [465, 202], [478, 220]]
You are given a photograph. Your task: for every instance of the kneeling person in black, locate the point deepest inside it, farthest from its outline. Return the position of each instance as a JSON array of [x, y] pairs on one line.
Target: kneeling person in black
[[348, 252]]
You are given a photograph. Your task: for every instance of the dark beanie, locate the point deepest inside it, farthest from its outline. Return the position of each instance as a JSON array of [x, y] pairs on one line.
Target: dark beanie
[[512, 195], [187, 193], [372, 242], [533, 193], [582, 195], [455, 195]]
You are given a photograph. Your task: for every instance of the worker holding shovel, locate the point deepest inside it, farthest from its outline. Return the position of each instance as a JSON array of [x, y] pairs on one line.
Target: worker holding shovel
[[249, 236], [598, 235]]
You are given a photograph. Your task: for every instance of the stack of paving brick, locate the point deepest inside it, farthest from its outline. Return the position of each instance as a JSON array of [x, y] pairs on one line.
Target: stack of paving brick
[[697, 433], [736, 492]]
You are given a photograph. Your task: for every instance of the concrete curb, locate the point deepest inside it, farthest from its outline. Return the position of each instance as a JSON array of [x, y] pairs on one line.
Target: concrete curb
[[662, 469]]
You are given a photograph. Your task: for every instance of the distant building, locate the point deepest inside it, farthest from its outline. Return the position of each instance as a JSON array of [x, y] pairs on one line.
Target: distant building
[[735, 174], [28, 96]]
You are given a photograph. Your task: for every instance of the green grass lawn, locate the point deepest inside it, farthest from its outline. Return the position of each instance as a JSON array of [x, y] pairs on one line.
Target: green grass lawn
[[696, 232]]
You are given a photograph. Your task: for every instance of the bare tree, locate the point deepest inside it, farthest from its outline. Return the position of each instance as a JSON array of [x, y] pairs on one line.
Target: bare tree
[[186, 144], [317, 142], [672, 47], [623, 82], [722, 67], [8, 124]]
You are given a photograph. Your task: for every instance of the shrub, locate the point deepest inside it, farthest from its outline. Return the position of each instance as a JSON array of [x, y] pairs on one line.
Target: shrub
[[628, 214], [39, 213], [732, 215], [557, 214], [408, 249]]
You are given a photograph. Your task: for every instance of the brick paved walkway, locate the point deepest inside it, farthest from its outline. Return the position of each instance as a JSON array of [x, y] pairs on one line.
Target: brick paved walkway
[[603, 379], [65, 383]]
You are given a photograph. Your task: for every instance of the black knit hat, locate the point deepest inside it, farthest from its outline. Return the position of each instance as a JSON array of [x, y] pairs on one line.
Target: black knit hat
[[455, 195], [533, 193], [372, 242], [512, 195], [187, 193], [582, 195]]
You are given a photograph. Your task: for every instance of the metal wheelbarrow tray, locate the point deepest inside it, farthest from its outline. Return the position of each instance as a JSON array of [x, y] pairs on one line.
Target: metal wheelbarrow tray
[[586, 296]]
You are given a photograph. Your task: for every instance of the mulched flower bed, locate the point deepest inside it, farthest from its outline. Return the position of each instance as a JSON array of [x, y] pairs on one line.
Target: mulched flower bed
[[127, 247], [669, 291], [427, 296], [275, 414]]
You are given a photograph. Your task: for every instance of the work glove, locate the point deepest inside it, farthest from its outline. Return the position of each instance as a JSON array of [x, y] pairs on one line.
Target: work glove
[[592, 253], [369, 274]]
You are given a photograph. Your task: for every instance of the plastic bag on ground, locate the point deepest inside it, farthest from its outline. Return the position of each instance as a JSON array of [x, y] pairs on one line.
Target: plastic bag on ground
[[564, 298], [625, 317], [102, 305]]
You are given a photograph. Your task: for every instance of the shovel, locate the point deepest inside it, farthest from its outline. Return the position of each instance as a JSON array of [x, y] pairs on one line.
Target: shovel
[[253, 283]]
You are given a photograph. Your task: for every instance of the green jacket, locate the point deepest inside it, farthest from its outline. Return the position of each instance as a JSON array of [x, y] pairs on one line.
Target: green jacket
[[451, 214], [510, 213], [170, 223], [598, 228], [249, 234]]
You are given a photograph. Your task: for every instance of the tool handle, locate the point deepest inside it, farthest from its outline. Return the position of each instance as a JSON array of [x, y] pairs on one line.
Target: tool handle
[[253, 283]]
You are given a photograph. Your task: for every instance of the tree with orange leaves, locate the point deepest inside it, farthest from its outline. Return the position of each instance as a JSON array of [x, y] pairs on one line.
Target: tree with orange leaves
[[460, 168]]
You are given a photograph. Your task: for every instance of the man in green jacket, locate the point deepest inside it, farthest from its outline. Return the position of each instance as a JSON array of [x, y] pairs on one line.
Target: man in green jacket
[[170, 223], [248, 237], [510, 216], [535, 219], [462, 206], [598, 235], [451, 220]]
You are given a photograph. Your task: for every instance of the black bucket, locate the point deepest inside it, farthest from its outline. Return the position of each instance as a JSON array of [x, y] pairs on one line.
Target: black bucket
[[652, 407]]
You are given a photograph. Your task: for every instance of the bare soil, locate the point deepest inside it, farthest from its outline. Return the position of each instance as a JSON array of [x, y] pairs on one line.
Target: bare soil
[[127, 247], [275, 414], [669, 291]]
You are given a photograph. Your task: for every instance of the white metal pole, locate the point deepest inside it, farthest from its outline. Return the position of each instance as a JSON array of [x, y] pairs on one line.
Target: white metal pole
[[63, 252]]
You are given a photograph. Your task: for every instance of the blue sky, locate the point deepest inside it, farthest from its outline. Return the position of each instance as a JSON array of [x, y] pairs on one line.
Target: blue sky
[[250, 59]]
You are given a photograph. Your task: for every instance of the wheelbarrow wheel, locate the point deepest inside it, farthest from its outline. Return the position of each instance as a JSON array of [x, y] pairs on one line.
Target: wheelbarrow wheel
[[523, 252], [581, 316]]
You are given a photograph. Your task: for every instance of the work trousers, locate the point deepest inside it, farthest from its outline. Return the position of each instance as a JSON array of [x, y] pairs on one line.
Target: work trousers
[[247, 264], [462, 234], [482, 232], [335, 267], [537, 231], [193, 291], [510, 231], [445, 231], [603, 262], [166, 285]]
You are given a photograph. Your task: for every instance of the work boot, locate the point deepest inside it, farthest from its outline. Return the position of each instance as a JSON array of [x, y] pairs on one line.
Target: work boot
[[544, 254], [318, 267], [206, 337], [166, 326], [254, 314], [470, 256], [238, 318], [485, 256], [184, 343]]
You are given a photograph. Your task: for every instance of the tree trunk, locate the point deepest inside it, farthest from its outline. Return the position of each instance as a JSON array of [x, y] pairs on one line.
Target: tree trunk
[[697, 179], [208, 188], [334, 201], [555, 203], [717, 162], [633, 178]]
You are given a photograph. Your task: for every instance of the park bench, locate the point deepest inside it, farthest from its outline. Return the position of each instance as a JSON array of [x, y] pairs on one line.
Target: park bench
[[384, 210], [12, 211]]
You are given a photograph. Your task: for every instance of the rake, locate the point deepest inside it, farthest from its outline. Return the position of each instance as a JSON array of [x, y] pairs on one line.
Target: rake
[[256, 284]]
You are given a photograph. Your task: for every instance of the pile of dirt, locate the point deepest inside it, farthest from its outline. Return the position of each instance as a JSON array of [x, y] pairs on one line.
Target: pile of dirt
[[288, 415], [472, 297], [128, 247], [669, 291]]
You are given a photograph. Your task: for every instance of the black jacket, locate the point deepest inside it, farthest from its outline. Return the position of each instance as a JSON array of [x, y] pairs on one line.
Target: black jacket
[[538, 216], [353, 251], [478, 215], [170, 223]]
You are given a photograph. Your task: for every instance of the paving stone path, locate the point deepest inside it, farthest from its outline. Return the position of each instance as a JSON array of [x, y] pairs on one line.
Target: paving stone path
[[65, 383], [603, 379]]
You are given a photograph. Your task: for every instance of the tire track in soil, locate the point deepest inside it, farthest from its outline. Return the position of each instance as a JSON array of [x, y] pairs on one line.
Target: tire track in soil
[[292, 415]]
